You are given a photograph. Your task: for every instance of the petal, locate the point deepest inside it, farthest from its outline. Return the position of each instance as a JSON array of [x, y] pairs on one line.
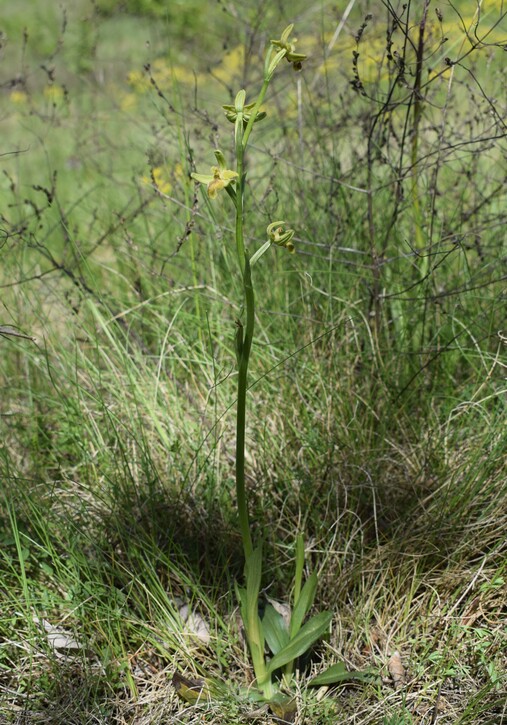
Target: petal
[[220, 160], [286, 33], [260, 116], [295, 57], [239, 101], [202, 178]]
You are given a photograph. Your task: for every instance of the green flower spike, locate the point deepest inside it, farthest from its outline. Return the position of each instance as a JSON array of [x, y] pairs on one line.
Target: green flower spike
[[280, 236], [290, 48], [219, 178]]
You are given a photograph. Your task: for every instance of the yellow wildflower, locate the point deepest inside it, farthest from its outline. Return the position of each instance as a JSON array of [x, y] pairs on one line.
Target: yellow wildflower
[[18, 97]]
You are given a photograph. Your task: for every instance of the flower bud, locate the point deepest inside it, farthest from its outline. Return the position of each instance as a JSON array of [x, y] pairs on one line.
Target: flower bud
[[280, 236]]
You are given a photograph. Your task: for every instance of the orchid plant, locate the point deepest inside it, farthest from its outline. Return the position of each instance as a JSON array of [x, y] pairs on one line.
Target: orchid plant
[[278, 638]]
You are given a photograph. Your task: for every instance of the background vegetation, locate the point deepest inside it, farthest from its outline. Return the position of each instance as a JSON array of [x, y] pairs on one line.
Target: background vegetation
[[378, 411]]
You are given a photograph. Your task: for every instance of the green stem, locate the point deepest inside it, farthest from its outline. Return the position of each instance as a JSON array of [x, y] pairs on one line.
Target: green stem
[[246, 346], [269, 68], [245, 334], [240, 243], [244, 521], [254, 113]]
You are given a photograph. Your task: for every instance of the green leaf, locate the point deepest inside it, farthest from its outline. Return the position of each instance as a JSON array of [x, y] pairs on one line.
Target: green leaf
[[304, 639], [24, 553], [300, 557], [303, 604], [275, 629], [249, 599], [339, 673], [268, 73], [47, 569], [241, 595], [258, 254]]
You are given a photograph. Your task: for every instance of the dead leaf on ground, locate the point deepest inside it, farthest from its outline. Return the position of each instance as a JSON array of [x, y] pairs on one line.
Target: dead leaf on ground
[[282, 609], [190, 690], [472, 612], [194, 623], [63, 642], [396, 670], [376, 642], [285, 711]]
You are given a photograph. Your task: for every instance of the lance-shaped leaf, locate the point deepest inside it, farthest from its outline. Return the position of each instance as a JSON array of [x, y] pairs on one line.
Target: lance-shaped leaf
[[275, 629], [303, 604], [339, 673], [304, 639], [249, 602]]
